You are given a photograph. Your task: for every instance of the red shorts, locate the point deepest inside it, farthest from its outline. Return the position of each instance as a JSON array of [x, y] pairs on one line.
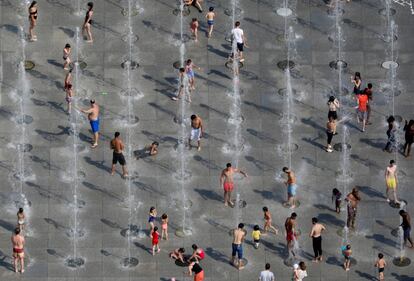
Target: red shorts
[[228, 186], [290, 236]]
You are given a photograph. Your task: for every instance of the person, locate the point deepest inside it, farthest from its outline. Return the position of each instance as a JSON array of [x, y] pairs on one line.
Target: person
[[93, 116], [66, 58], [406, 226], [409, 137], [316, 235], [333, 105], [18, 250], [68, 79], [155, 240], [153, 149], [198, 253], [164, 226], [330, 132], [195, 3], [178, 254], [118, 146], [380, 264], [152, 215], [69, 97], [268, 221], [20, 219], [239, 235], [181, 82], [210, 21], [391, 145], [291, 187], [337, 196], [290, 228], [240, 40], [32, 20], [196, 131], [266, 275], [256, 236], [198, 271], [87, 23], [356, 81], [368, 92], [353, 199], [299, 271], [227, 182], [391, 181], [194, 28], [362, 99], [347, 252], [190, 74]]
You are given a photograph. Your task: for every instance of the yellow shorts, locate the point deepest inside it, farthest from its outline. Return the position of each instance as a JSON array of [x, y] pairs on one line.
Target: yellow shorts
[[391, 183]]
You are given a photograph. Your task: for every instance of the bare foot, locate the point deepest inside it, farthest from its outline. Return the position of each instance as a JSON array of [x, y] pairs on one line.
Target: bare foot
[[94, 145], [199, 148]]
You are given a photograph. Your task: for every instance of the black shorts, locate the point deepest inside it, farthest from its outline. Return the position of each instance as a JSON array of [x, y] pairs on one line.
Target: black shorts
[[118, 157], [380, 270], [240, 47], [333, 115]]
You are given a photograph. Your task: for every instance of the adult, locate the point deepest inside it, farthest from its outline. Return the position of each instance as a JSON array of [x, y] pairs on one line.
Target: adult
[[227, 182], [330, 132], [333, 105], [87, 23], [316, 235], [299, 271], [266, 275], [196, 131], [362, 111], [66, 56], [391, 181], [198, 253], [368, 92], [290, 228], [291, 187], [409, 137], [406, 226], [32, 20], [195, 268], [239, 235], [391, 145], [93, 116], [18, 250], [118, 146], [353, 199], [195, 3], [239, 40]]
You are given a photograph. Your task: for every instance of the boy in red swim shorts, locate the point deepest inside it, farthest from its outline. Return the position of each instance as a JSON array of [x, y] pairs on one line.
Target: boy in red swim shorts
[[226, 180]]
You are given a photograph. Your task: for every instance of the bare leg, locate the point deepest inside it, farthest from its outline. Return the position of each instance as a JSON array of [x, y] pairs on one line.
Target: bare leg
[[15, 264], [198, 145], [226, 200], [124, 171], [96, 137], [89, 33], [21, 264], [113, 170]]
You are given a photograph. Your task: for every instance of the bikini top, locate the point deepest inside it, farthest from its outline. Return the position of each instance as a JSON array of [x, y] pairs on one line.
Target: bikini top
[[87, 15]]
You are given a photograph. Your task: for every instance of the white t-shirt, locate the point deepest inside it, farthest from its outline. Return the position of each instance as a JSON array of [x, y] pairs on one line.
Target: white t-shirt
[[266, 275], [301, 274], [238, 34]]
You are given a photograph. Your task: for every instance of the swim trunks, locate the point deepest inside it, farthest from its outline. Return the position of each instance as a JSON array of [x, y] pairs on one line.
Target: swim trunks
[[228, 186], [291, 189], [18, 251], [118, 157], [290, 236], [68, 99], [237, 249], [210, 22], [195, 134], [94, 125], [190, 73], [391, 182]]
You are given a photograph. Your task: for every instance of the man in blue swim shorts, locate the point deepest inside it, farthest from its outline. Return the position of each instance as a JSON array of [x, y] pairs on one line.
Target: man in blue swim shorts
[[210, 20], [93, 116]]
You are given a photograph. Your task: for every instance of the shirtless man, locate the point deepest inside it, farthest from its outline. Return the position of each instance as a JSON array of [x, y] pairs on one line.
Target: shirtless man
[[118, 146], [18, 249], [93, 116], [291, 187], [391, 181], [316, 234], [353, 199], [290, 228], [226, 180], [237, 247], [196, 131]]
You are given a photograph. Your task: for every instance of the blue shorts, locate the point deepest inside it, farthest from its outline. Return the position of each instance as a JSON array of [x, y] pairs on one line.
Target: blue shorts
[[407, 231], [237, 249], [190, 74], [94, 125], [291, 189], [210, 22]]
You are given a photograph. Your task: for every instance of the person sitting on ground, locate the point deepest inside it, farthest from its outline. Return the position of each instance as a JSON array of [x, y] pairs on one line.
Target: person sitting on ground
[[178, 254]]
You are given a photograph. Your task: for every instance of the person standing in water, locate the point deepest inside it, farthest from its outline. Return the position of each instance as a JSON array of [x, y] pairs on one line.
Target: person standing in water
[[391, 181], [291, 187], [391, 145], [88, 22], [118, 146], [227, 182], [239, 235], [362, 111], [368, 92], [406, 226], [20, 219], [196, 131], [18, 250], [66, 58], [290, 228], [353, 199], [240, 39], [330, 132], [316, 235], [32, 21], [333, 105], [194, 28], [93, 116], [69, 97], [210, 21]]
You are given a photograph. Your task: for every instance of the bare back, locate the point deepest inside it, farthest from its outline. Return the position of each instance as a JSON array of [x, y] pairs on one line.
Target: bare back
[[317, 230], [117, 145], [227, 174], [196, 123], [17, 241], [238, 236]]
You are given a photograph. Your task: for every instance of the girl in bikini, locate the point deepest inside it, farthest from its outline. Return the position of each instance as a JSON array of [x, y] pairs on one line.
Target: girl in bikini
[[164, 226], [87, 23], [32, 20], [66, 54]]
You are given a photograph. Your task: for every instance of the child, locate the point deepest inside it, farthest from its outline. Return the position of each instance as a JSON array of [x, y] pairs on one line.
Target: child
[[151, 217], [268, 221], [155, 240], [20, 219], [337, 196], [198, 254], [380, 263], [190, 73], [153, 148], [194, 29], [66, 53], [180, 84], [347, 252], [210, 20], [256, 236], [177, 254], [68, 98], [164, 226]]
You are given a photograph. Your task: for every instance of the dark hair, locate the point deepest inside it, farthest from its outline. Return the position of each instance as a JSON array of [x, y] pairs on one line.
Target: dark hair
[[32, 4], [256, 227], [67, 45], [237, 23], [194, 246], [228, 165], [193, 117], [70, 70], [293, 215], [152, 208], [155, 143], [391, 119], [285, 169], [355, 192], [90, 5], [241, 225], [92, 101], [392, 161], [155, 228], [348, 247], [402, 212], [181, 250], [331, 99], [117, 134], [410, 123], [211, 9], [69, 86], [164, 216], [189, 61], [314, 220], [302, 265], [265, 209], [380, 255], [20, 210], [357, 74], [17, 230], [182, 69], [369, 85], [194, 19], [335, 191], [267, 266]]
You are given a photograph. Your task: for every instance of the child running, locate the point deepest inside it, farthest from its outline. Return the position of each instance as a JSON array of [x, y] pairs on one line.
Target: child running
[[380, 264], [337, 196], [268, 221], [194, 28], [256, 236], [164, 226], [155, 240], [210, 20]]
